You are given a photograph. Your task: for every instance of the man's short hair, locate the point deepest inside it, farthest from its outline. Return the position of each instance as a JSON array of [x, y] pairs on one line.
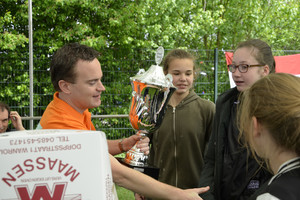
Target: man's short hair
[[64, 61], [3, 107]]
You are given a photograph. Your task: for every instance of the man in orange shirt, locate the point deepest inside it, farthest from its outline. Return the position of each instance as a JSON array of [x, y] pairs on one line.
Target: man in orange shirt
[[76, 76]]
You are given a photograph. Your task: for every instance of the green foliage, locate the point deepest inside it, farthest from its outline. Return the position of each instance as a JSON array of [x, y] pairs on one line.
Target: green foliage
[[143, 24], [9, 37], [127, 32]]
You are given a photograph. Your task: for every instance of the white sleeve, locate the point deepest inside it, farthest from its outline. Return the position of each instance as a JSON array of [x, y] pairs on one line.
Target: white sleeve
[[266, 196]]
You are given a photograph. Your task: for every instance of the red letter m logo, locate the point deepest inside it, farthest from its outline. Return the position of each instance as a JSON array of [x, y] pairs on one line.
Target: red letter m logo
[[42, 192]]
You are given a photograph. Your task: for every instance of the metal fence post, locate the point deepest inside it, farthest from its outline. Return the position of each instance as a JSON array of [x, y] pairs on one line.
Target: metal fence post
[[216, 74], [30, 62]]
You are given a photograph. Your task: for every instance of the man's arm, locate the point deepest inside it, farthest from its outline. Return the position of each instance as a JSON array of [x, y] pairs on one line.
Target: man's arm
[[149, 187]]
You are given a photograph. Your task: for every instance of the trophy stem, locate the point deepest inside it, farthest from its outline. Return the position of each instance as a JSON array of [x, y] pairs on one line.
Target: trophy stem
[[134, 156]]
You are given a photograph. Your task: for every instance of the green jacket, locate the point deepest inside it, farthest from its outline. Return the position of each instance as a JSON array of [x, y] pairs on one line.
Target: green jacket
[[178, 145], [212, 173]]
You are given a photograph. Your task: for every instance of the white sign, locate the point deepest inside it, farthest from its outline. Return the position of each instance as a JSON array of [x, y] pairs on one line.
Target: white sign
[[55, 164]]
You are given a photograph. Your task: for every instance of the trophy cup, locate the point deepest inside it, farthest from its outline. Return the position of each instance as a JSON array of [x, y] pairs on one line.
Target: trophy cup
[[151, 92]]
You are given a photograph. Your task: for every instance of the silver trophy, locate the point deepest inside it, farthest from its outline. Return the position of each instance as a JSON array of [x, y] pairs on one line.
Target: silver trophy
[[151, 92]]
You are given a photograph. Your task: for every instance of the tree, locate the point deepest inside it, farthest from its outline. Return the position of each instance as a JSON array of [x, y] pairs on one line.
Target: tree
[[127, 32]]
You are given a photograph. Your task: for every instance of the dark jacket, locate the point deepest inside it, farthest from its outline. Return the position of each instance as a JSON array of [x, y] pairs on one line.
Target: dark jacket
[[241, 176], [178, 145], [285, 186]]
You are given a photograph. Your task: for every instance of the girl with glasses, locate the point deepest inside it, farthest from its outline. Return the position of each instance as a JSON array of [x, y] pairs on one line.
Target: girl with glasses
[[229, 170]]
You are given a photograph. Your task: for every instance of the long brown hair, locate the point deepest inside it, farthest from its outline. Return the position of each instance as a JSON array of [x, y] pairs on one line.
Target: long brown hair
[[275, 101]]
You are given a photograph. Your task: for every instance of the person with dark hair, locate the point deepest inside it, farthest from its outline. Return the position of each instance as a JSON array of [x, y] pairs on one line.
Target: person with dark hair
[[178, 145], [269, 124], [6, 115], [76, 75], [229, 170]]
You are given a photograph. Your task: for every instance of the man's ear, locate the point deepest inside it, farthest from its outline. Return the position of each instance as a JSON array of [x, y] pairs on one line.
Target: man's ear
[[64, 86]]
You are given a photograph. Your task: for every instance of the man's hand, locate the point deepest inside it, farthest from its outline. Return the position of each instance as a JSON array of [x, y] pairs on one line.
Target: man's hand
[[188, 194], [138, 197], [16, 120], [194, 193], [142, 143]]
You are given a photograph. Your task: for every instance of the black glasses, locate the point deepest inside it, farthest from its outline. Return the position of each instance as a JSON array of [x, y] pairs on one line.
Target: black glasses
[[243, 68]]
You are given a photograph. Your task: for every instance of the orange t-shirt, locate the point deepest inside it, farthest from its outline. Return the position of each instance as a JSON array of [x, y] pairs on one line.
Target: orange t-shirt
[[60, 115]]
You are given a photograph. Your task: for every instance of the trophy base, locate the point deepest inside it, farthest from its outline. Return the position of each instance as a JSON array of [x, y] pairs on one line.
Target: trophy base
[[145, 168]]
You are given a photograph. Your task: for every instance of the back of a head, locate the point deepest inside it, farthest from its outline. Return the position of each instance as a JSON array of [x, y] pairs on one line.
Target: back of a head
[[275, 101], [65, 59], [263, 53]]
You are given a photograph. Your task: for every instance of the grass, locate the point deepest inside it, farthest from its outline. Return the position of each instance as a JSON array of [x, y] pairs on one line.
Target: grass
[[124, 194]]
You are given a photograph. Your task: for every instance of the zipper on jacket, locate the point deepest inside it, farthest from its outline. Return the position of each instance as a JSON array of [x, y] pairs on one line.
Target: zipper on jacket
[[175, 149]]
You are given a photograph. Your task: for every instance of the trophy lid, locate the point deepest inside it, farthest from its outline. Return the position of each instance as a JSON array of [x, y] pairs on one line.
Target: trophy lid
[[155, 75]]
